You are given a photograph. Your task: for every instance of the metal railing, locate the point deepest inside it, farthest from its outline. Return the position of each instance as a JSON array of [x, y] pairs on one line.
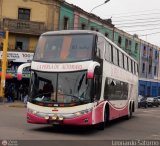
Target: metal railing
[[23, 26]]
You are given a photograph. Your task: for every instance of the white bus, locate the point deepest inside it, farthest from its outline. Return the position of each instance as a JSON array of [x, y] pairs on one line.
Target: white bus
[[80, 77]]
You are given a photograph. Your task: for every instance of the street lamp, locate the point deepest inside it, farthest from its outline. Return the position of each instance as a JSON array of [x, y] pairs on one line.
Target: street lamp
[[100, 5], [95, 8]]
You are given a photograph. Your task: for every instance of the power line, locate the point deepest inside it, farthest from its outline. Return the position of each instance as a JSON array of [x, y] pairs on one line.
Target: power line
[[136, 15], [119, 14], [130, 20], [146, 25], [150, 34], [143, 29], [137, 22]]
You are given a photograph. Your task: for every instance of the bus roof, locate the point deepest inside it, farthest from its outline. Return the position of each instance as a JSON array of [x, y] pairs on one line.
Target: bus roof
[[89, 32], [69, 32]]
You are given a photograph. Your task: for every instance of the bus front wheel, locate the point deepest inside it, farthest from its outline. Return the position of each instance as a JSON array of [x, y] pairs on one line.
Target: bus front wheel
[[102, 125]]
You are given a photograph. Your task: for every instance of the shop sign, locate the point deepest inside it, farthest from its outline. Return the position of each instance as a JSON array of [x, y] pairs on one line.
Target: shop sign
[[18, 56]]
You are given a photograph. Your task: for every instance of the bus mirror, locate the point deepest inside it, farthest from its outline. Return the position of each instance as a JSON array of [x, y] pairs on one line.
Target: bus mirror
[[19, 76], [20, 70], [90, 75]]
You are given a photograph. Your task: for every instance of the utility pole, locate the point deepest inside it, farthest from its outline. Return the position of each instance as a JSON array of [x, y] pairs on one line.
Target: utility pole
[[4, 65]]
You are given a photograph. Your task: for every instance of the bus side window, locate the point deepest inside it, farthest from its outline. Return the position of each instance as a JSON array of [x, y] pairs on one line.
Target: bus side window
[[100, 47], [121, 60], [125, 62], [97, 83], [115, 56], [108, 51], [132, 66], [129, 64], [115, 90]]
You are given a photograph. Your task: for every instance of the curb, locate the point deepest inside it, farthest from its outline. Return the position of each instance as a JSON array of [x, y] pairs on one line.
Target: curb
[[13, 104], [17, 105]]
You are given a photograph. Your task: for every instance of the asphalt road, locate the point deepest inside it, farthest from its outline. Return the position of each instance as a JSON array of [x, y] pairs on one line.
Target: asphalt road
[[143, 126]]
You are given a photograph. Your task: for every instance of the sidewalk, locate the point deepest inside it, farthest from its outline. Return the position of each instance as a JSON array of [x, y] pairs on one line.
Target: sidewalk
[[13, 104]]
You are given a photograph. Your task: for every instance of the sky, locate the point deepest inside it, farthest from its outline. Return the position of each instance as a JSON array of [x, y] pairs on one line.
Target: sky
[[140, 17]]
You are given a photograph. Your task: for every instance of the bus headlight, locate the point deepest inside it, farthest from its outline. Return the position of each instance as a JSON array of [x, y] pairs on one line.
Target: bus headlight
[[54, 118], [60, 118], [32, 111], [46, 117], [83, 112]]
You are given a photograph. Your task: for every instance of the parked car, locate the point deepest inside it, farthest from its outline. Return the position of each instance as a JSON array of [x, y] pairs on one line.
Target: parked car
[[158, 99], [142, 102], [152, 101]]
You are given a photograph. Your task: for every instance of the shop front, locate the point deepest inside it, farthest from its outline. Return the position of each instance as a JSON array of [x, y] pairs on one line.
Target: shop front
[[19, 88]]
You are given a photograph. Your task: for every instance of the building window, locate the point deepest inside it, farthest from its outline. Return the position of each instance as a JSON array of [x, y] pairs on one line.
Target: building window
[[83, 26], [130, 44], [150, 52], [119, 41], [107, 35], [19, 45], [155, 70], [24, 14], [92, 28], [150, 69], [156, 55], [143, 67], [136, 48], [66, 20], [148, 91], [126, 44], [158, 91], [144, 51]]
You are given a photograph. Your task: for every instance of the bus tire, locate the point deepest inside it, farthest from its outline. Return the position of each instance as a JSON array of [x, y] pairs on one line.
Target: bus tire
[[129, 116], [102, 125]]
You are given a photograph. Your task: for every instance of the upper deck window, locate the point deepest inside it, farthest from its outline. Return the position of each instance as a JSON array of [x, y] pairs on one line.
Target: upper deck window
[[64, 48]]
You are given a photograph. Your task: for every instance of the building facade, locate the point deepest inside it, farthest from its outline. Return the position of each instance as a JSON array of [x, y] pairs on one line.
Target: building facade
[[149, 83], [25, 20], [146, 54]]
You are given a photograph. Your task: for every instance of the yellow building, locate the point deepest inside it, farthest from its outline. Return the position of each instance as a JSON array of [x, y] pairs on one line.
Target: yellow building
[[26, 20]]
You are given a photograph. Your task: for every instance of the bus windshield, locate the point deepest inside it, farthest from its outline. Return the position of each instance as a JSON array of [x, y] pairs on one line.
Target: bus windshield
[[57, 88], [64, 48]]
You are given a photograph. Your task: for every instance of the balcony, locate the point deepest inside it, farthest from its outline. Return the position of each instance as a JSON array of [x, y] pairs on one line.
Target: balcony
[[23, 26]]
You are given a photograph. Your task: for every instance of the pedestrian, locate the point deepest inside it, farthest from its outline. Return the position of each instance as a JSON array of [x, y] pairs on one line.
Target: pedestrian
[[20, 92], [25, 98]]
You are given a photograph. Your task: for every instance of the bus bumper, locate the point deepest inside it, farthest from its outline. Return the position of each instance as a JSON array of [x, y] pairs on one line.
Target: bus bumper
[[85, 119]]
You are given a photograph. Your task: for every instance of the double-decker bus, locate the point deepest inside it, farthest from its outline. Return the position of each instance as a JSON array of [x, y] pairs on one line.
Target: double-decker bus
[[80, 77]]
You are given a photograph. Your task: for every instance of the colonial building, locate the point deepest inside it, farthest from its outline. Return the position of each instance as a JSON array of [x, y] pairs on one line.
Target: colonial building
[[25, 20], [149, 83]]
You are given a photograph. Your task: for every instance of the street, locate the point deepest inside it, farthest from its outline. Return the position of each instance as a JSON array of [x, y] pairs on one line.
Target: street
[[143, 125]]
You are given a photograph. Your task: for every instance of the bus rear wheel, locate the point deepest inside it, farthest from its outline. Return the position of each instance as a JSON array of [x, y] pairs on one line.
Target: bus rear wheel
[[129, 116]]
